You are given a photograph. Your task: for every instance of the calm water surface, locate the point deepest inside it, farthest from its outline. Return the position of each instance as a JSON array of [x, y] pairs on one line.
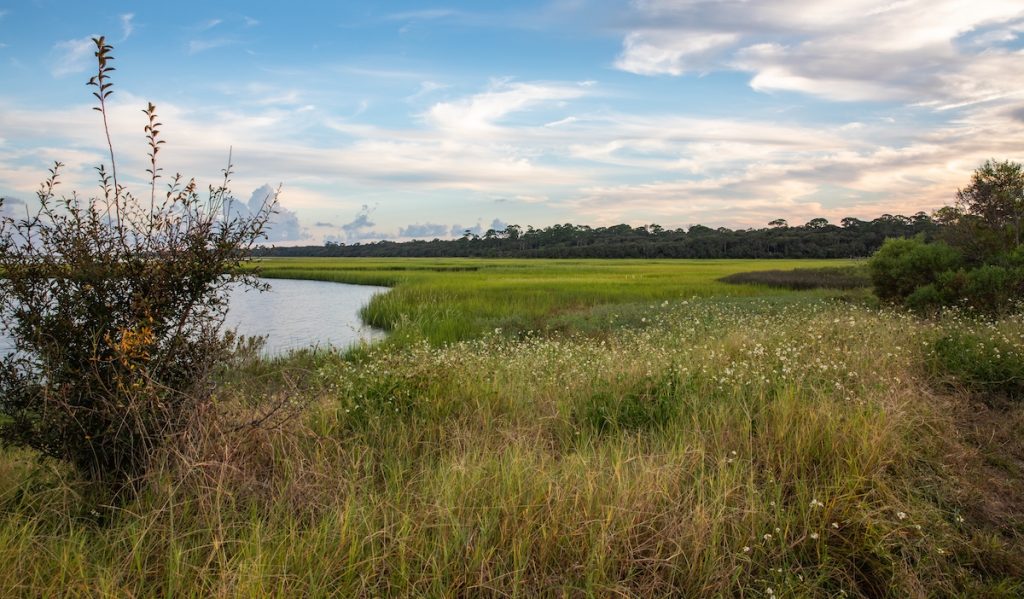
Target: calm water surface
[[297, 314]]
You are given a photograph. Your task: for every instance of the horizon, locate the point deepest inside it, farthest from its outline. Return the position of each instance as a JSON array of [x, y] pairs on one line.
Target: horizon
[[412, 121]]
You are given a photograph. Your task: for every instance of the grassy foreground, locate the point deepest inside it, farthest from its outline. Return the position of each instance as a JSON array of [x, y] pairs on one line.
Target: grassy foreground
[[641, 441]]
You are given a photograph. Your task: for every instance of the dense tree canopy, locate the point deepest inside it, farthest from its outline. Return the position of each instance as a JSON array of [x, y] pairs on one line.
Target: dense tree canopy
[[816, 239]]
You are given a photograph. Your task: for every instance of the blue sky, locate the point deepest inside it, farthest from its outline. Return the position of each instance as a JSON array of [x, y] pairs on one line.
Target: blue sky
[[414, 119]]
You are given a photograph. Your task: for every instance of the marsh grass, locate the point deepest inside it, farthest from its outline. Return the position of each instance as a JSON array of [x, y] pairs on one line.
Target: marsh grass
[[839, 277], [447, 300], [714, 448]]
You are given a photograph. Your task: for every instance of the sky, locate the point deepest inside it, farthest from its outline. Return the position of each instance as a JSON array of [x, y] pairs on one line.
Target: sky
[[401, 120]]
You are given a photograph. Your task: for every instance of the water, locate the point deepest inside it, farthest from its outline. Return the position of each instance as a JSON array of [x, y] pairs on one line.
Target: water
[[296, 314]]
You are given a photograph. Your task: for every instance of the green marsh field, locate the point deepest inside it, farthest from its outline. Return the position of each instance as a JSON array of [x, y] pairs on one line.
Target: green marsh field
[[573, 429], [446, 300]]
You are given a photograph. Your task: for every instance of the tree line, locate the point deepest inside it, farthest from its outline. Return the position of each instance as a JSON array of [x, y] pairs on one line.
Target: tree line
[[818, 238]]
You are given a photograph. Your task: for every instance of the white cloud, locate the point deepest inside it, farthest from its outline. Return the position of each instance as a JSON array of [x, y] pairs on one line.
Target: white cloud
[[482, 112], [283, 224], [659, 52], [424, 231], [425, 14], [73, 56], [850, 50], [426, 88], [127, 25], [533, 145], [202, 45]]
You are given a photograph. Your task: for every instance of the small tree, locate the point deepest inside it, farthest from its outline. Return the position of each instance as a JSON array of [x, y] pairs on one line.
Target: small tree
[[989, 213], [115, 304]]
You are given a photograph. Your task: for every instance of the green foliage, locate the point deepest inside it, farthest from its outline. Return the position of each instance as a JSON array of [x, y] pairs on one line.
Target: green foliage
[[652, 404], [984, 362], [816, 239], [984, 227], [798, 454], [990, 211], [902, 265], [446, 300], [115, 305]]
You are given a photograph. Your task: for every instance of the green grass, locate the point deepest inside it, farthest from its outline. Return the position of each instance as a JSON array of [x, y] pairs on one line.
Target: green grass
[[445, 300], [639, 442]]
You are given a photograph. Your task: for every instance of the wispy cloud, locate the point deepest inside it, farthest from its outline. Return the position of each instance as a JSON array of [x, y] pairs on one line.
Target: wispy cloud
[[426, 88], [127, 25], [660, 52], [378, 73], [202, 45], [484, 111], [422, 15], [72, 56]]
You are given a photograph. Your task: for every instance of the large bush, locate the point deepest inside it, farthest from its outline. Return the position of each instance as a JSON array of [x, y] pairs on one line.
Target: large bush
[[902, 265], [981, 268], [115, 304]]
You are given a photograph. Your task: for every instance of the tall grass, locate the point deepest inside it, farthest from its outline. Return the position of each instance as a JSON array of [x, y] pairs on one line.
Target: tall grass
[[710, 447]]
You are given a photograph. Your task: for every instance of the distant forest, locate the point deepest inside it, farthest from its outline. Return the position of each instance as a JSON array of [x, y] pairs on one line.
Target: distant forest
[[852, 238]]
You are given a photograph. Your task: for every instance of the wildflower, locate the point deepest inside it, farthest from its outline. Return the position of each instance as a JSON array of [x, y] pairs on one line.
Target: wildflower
[[814, 536], [901, 515], [835, 525], [816, 504], [767, 537], [746, 549]]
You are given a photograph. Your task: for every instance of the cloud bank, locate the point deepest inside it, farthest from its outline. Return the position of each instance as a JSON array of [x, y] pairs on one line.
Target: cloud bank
[[283, 224]]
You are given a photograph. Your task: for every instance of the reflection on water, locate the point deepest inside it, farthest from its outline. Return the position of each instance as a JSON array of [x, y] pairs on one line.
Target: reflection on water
[[296, 314]]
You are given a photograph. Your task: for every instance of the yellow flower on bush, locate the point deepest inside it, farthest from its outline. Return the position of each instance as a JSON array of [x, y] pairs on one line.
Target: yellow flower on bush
[[133, 344]]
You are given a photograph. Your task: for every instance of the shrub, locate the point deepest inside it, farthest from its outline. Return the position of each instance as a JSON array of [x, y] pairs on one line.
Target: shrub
[[993, 289], [115, 305], [902, 265], [988, 289], [927, 299], [982, 363]]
